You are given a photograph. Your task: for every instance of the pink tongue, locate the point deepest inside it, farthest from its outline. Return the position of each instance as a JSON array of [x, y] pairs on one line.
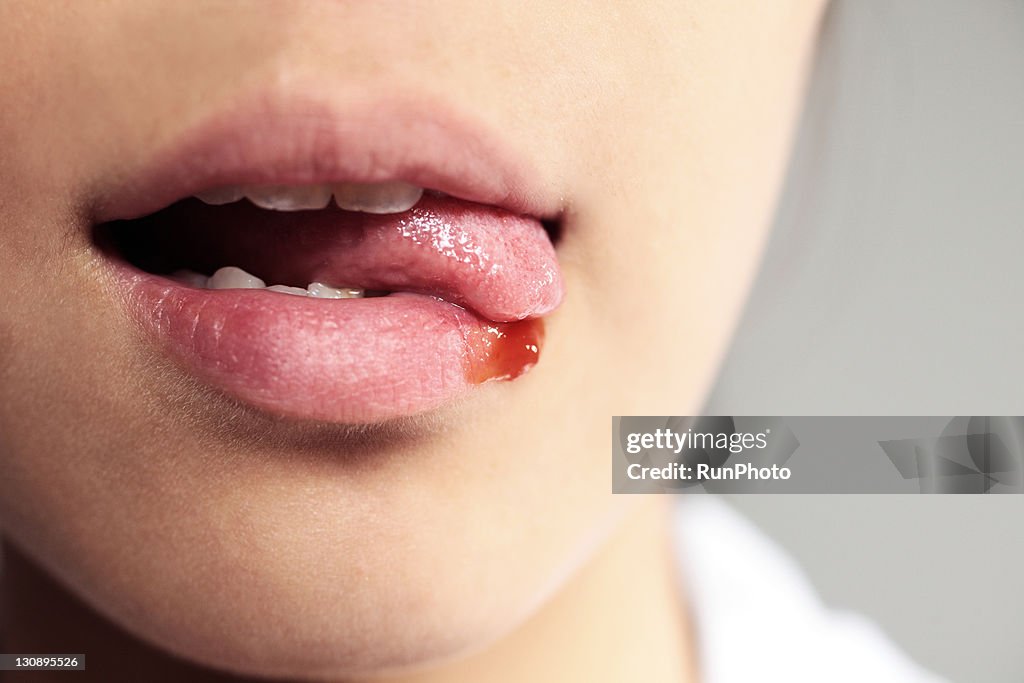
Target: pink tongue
[[501, 266]]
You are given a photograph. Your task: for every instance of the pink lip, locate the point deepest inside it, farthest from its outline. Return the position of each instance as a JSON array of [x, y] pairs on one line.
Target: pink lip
[[271, 138], [465, 321]]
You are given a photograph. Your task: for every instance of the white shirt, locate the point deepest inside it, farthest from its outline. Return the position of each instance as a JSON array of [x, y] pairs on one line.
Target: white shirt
[[757, 617]]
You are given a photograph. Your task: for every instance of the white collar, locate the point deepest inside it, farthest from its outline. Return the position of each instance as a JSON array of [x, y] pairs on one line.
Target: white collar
[[757, 617]]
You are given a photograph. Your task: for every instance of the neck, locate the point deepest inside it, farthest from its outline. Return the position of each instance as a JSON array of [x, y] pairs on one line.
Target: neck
[[621, 618]]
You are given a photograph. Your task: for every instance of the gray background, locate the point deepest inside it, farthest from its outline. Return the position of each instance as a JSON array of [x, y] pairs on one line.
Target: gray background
[[892, 286]]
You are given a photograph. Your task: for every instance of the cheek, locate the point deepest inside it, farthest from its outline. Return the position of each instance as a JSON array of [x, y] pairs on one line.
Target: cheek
[[675, 202], [653, 295]]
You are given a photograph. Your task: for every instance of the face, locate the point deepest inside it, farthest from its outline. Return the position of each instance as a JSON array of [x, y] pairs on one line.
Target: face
[[282, 485]]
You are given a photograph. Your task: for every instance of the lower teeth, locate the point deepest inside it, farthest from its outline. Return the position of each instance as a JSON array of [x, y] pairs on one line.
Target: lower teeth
[[230, 277], [319, 289]]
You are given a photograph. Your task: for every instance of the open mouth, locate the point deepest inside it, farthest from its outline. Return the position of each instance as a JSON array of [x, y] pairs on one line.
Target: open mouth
[[349, 301], [381, 239]]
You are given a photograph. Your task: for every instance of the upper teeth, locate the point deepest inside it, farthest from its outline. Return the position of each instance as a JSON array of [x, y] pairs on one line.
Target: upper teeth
[[389, 197], [230, 277], [281, 198], [394, 197]]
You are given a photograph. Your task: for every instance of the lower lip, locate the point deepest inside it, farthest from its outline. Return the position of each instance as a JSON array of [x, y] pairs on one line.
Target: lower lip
[[345, 361]]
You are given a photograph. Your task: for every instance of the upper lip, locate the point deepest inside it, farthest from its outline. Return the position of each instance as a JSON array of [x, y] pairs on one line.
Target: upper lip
[[292, 139]]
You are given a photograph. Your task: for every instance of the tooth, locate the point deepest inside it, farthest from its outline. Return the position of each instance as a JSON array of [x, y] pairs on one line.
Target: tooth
[[393, 197], [289, 197], [322, 291], [191, 278], [230, 277], [285, 289], [221, 195]]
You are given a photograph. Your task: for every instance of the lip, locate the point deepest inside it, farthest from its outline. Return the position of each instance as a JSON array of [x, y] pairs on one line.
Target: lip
[[297, 139], [350, 361]]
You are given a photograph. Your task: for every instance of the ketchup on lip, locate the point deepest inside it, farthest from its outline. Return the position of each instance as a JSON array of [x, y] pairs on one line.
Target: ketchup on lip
[[503, 351]]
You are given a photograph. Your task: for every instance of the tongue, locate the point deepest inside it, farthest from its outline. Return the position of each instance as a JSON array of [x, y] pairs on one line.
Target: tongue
[[497, 264]]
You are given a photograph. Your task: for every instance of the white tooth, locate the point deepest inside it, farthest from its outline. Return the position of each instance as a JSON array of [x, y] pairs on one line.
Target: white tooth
[[322, 291], [230, 277], [285, 289], [289, 197], [190, 278], [393, 197], [221, 195]]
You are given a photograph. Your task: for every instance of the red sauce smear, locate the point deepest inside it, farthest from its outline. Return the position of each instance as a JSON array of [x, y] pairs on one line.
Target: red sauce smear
[[503, 351]]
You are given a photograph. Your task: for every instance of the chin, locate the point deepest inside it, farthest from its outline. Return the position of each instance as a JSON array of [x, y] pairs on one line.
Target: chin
[[308, 577]]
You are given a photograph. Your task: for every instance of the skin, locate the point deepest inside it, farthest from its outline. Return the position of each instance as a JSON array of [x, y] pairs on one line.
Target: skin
[[147, 514]]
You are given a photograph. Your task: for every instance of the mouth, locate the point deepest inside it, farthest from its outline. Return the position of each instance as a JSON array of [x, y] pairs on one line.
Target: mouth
[[350, 270]]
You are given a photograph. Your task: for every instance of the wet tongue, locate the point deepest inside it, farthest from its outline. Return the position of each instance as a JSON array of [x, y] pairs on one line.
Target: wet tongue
[[497, 264]]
